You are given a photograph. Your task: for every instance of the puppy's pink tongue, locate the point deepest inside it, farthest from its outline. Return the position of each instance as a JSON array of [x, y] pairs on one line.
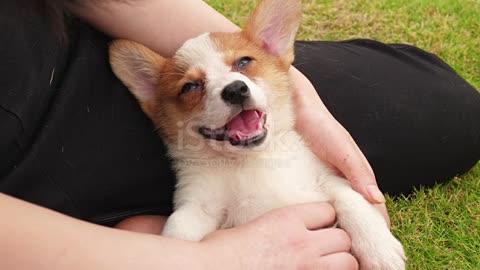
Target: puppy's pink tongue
[[246, 125]]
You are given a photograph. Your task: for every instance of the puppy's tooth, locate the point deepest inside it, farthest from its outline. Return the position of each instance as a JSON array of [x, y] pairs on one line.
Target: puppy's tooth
[[239, 136]]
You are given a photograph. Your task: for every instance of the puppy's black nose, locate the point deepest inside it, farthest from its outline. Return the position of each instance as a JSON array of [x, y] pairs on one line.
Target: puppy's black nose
[[236, 93]]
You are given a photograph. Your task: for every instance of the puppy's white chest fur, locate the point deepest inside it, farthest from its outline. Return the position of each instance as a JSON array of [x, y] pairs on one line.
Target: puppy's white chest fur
[[269, 181], [244, 188]]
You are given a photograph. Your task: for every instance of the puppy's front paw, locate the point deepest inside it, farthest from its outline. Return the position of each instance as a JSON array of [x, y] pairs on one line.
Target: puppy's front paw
[[180, 228], [189, 224], [379, 251]]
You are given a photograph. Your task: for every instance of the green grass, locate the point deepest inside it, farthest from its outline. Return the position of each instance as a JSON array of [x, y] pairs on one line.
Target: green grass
[[440, 226]]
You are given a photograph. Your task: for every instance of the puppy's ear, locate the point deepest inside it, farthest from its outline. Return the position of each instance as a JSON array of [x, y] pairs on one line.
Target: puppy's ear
[[273, 25], [138, 68]]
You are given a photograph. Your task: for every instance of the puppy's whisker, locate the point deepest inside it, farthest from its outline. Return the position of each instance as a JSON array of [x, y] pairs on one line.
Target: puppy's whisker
[[191, 118]]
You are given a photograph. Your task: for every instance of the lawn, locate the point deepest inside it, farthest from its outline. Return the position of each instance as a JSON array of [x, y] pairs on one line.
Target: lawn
[[439, 227]]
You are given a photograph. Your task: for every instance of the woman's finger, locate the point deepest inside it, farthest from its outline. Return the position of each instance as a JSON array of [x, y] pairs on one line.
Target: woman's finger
[[342, 260], [331, 240], [314, 215]]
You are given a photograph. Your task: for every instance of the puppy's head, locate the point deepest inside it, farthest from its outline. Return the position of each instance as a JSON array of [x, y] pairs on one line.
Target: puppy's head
[[220, 90]]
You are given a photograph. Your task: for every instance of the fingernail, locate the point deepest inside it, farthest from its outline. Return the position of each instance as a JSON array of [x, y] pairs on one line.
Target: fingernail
[[375, 194]]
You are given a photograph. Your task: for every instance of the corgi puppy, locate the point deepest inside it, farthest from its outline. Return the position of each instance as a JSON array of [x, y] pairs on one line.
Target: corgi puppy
[[223, 106]]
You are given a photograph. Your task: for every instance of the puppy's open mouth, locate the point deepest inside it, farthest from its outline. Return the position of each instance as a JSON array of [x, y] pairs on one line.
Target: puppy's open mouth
[[245, 129]]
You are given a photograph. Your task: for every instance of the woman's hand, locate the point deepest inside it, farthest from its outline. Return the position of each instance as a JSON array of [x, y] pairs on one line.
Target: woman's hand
[[295, 237], [331, 142]]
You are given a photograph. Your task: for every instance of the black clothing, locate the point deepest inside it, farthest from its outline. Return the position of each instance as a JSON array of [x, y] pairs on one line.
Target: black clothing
[[415, 119], [73, 139]]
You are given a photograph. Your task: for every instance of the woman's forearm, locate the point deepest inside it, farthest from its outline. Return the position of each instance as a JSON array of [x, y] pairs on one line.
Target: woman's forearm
[[33, 237], [164, 25]]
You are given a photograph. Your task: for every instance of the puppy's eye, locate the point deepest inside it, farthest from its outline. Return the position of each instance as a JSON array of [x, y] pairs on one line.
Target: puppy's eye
[[243, 62], [190, 86]]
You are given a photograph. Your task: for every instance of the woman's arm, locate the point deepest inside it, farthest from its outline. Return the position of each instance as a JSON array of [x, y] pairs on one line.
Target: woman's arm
[[164, 25], [33, 237]]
